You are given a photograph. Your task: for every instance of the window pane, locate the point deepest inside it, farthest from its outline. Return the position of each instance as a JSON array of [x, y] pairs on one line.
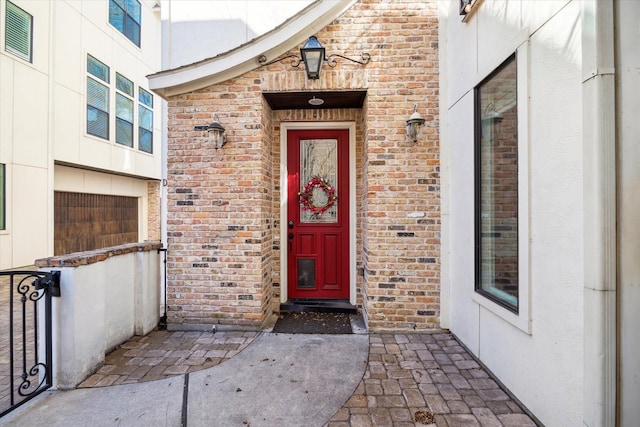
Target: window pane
[[97, 95], [124, 120], [3, 195], [497, 187], [124, 108], [145, 118], [97, 68], [145, 97], [318, 177], [145, 140], [18, 25], [116, 16], [132, 30], [124, 84], [145, 130], [97, 122], [124, 132], [133, 10], [125, 16]]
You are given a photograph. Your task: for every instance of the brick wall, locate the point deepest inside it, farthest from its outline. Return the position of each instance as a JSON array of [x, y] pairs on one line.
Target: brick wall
[[216, 207], [223, 206], [153, 211]]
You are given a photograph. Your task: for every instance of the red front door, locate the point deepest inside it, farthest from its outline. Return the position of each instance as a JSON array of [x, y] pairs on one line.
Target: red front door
[[318, 214]]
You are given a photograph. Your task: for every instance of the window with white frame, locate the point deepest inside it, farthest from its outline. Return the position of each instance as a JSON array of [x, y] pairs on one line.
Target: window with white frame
[[125, 16], [496, 186], [145, 121], [124, 111], [97, 98], [18, 32], [129, 127]]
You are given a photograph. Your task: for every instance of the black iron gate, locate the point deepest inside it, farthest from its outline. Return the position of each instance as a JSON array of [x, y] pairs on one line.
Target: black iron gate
[[25, 335]]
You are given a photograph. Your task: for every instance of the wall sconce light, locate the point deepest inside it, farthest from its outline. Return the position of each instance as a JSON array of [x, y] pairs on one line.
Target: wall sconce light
[[414, 124], [313, 54], [216, 132]]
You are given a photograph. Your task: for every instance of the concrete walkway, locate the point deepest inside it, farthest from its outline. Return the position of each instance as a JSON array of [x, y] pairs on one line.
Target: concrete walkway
[[279, 380], [268, 379]]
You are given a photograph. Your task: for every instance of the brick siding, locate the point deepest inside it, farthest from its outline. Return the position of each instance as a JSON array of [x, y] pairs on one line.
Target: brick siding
[[153, 211], [224, 205]]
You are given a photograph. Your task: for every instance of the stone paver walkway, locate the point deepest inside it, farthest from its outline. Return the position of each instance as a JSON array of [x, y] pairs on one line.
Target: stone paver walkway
[[163, 354], [422, 379], [411, 379]]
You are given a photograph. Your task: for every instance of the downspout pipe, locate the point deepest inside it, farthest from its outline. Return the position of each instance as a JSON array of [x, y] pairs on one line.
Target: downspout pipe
[[600, 237]]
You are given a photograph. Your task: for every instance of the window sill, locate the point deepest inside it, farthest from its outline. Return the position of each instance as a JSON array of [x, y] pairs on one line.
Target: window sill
[[522, 320]]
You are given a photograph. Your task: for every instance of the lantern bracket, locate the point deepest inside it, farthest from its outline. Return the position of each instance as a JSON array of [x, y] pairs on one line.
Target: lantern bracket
[[314, 46]]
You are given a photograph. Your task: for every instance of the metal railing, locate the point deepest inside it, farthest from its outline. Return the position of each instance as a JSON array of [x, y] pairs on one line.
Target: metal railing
[[25, 351]]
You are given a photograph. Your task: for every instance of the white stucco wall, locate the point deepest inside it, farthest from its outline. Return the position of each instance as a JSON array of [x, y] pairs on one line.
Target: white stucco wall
[[537, 354], [194, 30], [43, 113], [102, 305], [82, 28], [24, 121]]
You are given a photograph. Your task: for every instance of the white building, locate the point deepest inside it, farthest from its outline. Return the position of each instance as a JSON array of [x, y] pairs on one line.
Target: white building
[[194, 30], [540, 245], [79, 129], [539, 105]]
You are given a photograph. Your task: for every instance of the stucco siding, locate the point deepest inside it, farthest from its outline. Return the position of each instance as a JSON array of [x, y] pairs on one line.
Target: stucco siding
[[43, 120], [540, 348]]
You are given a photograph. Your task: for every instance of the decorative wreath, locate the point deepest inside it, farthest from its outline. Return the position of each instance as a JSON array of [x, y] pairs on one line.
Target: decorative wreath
[[306, 195]]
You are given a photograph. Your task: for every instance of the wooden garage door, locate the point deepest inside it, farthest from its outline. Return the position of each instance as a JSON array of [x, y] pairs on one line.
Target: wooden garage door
[[85, 222]]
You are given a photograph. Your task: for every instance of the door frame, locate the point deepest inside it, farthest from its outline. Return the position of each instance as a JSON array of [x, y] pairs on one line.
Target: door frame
[[284, 202]]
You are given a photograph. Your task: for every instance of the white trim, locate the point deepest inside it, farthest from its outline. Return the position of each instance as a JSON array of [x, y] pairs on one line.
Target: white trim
[[445, 179], [521, 320], [245, 58], [284, 127]]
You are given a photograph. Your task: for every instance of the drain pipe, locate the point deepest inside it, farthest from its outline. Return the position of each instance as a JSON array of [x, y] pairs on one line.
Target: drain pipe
[[600, 237], [162, 323]]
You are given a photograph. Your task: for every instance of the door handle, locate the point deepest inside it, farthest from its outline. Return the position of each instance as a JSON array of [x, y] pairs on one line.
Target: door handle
[[290, 241]]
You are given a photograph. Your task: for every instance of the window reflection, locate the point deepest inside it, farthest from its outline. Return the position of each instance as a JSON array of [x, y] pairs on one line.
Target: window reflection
[[497, 186]]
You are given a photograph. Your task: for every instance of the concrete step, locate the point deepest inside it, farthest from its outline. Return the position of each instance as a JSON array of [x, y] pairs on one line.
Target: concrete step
[[318, 305]]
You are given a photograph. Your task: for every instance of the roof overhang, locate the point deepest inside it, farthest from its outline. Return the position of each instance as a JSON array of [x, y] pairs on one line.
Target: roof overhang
[[301, 100], [244, 58]]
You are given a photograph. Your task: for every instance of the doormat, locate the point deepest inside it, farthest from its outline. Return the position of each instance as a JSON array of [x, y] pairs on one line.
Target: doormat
[[310, 322]]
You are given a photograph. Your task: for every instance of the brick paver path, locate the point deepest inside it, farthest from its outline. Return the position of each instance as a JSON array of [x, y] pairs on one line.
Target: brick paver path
[[163, 354], [423, 379], [410, 380]]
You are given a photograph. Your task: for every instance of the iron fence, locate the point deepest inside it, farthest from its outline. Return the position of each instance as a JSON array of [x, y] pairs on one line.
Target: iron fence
[[25, 335]]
